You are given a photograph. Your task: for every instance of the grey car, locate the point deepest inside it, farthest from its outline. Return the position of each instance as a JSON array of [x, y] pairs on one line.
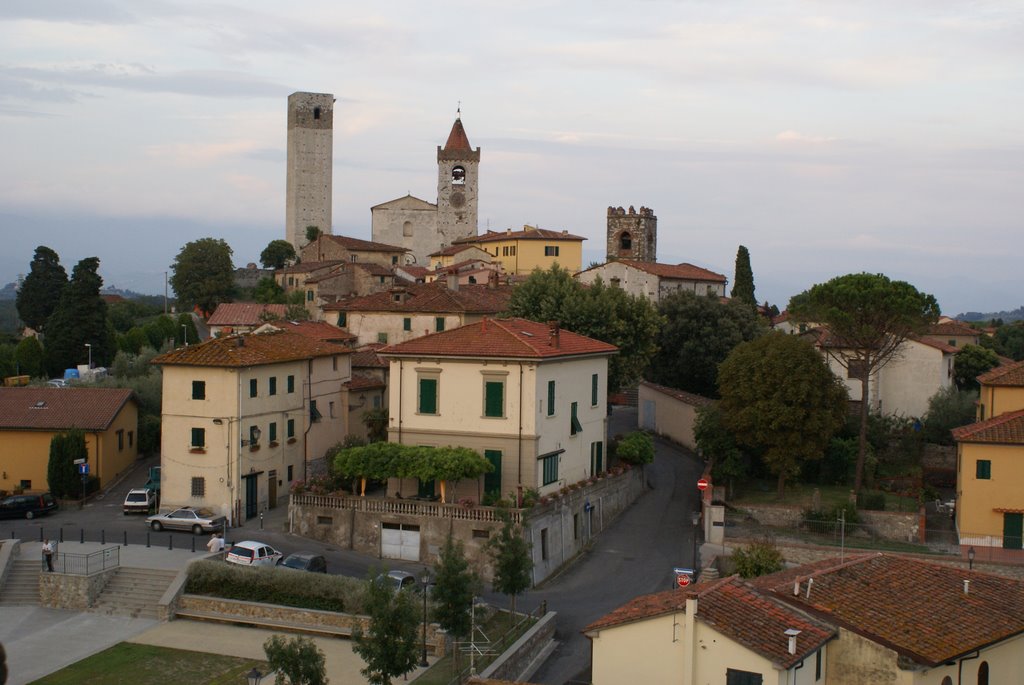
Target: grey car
[[195, 520]]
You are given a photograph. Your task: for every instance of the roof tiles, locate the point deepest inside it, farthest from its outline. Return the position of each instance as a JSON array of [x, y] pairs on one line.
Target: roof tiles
[[528, 233], [431, 298], [259, 349], [1009, 375], [1007, 429], [245, 314], [684, 271], [34, 408], [457, 141]]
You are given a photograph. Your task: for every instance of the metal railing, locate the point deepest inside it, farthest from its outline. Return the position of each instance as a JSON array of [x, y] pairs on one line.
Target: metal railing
[[406, 507], [86, 564]]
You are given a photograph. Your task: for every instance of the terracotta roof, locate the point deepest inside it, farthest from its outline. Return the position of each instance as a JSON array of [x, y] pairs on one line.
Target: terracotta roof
[[951, 328], [948, 349], [684, 271], [430, 297], [245, 314], [452, 250], [515, 338], [824, 337], [1006, 428], [357, 245], [457, 141], [681, 395], [309, 267], [317, 330], [373, 269], [528, 233], [361, 381], [917, 608], [236, 351], [1010, 375], [366, 358], [781, 318], [735, 609], [32, 408]]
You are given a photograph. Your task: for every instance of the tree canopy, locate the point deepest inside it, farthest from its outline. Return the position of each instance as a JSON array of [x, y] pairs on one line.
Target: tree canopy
[[61, 472], [277, 254], [596, 311], [388, 645], [970, 362], [743, 282], [454, 587], [698, 333], [870, 316], [636, 448], [381, 460], [949, 408], [297, 658], [40, 291], [780, 397], [203, 275], [79, 319], [512, 563]]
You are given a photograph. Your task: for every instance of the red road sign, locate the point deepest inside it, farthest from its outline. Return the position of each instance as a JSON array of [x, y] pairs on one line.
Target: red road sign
[[682, 580], [702, 484]]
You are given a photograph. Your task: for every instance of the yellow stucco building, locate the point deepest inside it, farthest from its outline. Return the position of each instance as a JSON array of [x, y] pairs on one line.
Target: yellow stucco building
[[520, 252], [30, 417]]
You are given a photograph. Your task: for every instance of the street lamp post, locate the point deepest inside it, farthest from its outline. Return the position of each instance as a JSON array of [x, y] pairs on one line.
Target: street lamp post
[[254, 677], [970, 558], [696, 522], [425, 580], [184, 334], [89, 347]]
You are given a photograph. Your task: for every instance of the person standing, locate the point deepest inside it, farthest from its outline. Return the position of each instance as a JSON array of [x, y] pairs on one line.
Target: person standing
[[48, 554], [216, 544]]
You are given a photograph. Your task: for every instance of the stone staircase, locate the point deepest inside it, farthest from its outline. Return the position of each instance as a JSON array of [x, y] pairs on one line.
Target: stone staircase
[[134, 592], [22, 585]]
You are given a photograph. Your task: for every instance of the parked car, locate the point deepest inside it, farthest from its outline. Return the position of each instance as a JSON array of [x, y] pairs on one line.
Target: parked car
[[400, 580], [196, 520], [305, 561], [253, 553], [27, 505], [139, 500]]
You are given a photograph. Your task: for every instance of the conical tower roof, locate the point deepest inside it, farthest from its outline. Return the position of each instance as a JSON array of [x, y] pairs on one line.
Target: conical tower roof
[[457, 139]]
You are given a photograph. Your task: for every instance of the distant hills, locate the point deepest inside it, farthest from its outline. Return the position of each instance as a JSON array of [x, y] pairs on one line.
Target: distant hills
[[1014, 315], [10, 292]]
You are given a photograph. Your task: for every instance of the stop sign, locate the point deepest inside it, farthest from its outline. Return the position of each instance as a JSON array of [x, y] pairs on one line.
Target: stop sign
[[702, 484], [682, 580]]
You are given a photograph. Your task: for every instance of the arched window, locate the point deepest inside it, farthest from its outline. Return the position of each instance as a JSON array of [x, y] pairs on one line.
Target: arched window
[[947, 681], [458, 176], [407, 229], [983, 673], [625, 241]]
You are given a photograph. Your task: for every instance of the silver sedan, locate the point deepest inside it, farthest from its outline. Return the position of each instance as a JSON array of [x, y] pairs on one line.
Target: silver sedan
[[195, 520]]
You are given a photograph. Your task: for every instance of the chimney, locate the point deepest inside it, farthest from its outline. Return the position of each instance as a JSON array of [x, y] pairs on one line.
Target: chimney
[[492, 279], [553, 340], [967, 587], [483, 325], [453, 280], [791, 633]]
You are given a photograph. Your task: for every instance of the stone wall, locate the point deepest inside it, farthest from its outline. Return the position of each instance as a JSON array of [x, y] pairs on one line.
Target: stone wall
[[73, 592], [9, 551], [887, 525], [642, 228], [520, 660]]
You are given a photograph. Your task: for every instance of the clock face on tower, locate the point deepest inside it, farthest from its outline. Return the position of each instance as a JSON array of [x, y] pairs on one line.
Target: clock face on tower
[[458, 199]]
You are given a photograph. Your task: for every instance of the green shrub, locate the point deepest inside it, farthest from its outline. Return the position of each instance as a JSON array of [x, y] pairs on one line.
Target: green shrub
[[759, 558], [636, 448], [874, 501], [275, 586]]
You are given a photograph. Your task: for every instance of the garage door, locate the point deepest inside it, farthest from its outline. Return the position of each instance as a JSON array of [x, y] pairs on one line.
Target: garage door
[[400, 541]]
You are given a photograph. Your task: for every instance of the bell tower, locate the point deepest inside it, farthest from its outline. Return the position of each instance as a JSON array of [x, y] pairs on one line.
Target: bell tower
[[632, 234], [457, 186], [310, 163]]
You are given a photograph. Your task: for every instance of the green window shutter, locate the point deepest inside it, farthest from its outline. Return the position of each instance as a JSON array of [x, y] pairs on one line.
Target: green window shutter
[[494, 402], [273, 385], [551, 398], [428, 396], [291, 428], [407, 324], [439, 323], [252, 387], [549, 469], [199, 390], [314, 413], [198, 437], [574, 422], [291, 383], [273, 432], [596, 458], [983, 469], [492, 480], [593, 390], [342, 320]]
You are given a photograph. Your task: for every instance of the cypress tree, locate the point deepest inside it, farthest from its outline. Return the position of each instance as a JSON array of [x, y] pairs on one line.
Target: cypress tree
[[41, 289], [80, 318], [743, 283]]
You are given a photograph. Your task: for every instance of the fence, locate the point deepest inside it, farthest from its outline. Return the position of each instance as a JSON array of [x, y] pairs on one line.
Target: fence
[[87, 564], [142, 536], [379, 505]]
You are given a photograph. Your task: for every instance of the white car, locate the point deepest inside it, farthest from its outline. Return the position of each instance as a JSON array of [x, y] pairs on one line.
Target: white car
[[252, 553], [139, 500]]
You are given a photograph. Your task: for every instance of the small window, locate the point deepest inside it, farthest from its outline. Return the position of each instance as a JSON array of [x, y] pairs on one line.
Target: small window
[[291, 428], [551, 398], [551, 250], [316, 112], [382, 338], [983, 673], [309, 296], [198, 438], [354, 258], [252, 435], [376, 401], [342, 320], [199, 390], [593, 390], [427, 402], [549, 469], [334, 363], [983, 469], [291, 473], [817, 666], [272, 432], [481, 534], [198, 487], [439, 323], [625, 242], [407, 324], [735, 677], [120, 440], [272, 385], [575, 526], [253, 387], [407, 229], [314, 413], [291, 384], [574, 422], [544, 544], [494, 399], [330, 409], [131, 439], [952, 343], [394, 259]]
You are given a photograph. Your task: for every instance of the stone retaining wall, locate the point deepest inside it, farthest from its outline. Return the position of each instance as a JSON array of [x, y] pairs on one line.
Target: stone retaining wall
[[9, 551], [72, 592], [902, 526], [518, 660]]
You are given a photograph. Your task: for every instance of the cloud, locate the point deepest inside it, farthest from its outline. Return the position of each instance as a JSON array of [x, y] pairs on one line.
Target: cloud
[[797, 137], [75, 11]]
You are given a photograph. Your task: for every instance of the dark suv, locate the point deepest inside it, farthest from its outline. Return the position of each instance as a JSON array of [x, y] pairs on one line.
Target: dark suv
[[27, 506]]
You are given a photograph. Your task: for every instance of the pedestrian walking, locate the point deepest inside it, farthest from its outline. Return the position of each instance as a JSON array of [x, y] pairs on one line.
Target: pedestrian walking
[[216, 544], [48, 554]]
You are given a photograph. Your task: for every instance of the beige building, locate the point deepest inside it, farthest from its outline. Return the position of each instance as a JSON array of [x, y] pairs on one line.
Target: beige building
[[457, 254], [953, 333], [340, 248], [403, 313], [529, 398], [242, 317], [655, 281], [990, 468], [669, 412], [244, 416], [30, 417], [873, 618], [367, 390], [520, 252]]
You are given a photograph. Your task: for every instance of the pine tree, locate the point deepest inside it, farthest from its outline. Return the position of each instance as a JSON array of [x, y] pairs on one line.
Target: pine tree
[[743, 282], [80, 318], [389, 643], [41, 289], [512, 562]]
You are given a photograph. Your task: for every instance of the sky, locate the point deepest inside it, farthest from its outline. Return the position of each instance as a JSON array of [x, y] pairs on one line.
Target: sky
[[826, 137]]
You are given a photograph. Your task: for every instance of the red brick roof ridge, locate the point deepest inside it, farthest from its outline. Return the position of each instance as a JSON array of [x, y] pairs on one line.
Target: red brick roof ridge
[[255, 350], [965, 433], [1014, 374], [357, 244]]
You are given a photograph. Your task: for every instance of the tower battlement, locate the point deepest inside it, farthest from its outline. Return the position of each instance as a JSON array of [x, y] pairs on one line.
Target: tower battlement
[[632, 234]]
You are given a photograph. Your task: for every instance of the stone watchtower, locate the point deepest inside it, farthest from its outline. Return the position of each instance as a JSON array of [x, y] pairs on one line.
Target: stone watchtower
[[457, 186], [632, 234], [310, 161]]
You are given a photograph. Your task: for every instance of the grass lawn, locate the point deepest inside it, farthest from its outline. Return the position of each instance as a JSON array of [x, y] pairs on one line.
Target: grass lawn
[[131, 664], [442, 672], [800, 495]]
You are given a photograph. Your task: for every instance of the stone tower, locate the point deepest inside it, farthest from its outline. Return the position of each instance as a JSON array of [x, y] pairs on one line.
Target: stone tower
[[632, 234], [457, 186], [310, 161]]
